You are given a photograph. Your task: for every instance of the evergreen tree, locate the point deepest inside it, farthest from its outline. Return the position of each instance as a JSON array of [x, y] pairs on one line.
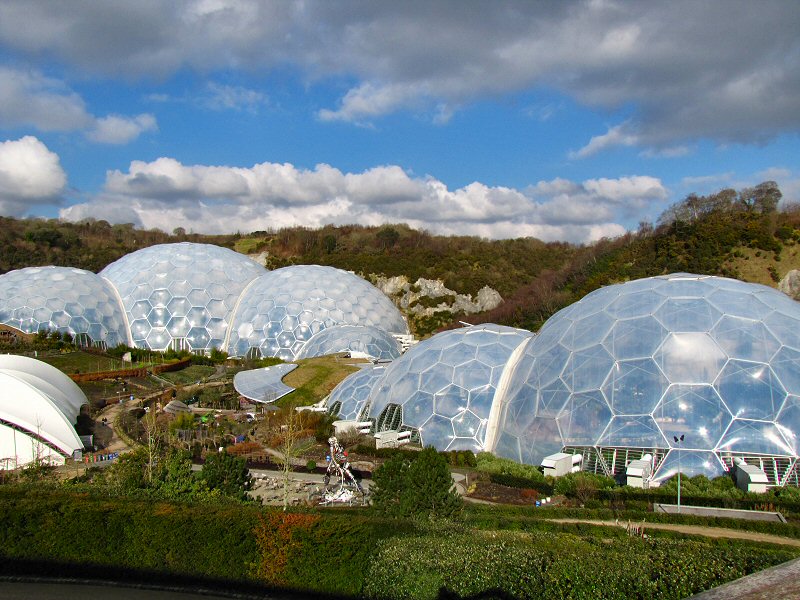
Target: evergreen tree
[[422, 488], [227, 473]]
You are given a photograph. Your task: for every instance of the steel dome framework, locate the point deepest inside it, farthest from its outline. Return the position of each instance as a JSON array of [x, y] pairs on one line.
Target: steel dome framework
[[63, 299], [283, 309], [631, 367], [181, 296]]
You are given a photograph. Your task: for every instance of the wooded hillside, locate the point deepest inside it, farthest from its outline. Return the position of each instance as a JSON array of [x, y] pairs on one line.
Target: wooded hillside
[[734, 233]]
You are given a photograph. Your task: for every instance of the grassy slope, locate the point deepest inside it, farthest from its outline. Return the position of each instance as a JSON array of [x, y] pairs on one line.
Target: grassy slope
[[754, 264], [315, 378]]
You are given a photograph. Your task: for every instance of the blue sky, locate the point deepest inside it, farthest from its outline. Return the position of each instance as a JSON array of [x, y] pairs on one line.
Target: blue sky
[[559, 120]]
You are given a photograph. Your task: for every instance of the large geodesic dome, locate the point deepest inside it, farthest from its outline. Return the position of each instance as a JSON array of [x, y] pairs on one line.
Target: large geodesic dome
[[444, 387], [632, 367], [63, 299], [358, 340], [181, 296], [349, 400], [281, 310]]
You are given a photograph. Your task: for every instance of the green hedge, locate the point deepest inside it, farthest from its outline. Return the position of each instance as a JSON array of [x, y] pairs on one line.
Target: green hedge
[[355, 554], [625, 494], [204, 540], [531, 518], [514, 481], [451, 563]]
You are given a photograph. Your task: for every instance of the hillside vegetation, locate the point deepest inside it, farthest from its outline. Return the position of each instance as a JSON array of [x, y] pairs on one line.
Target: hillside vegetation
[[734, 233]]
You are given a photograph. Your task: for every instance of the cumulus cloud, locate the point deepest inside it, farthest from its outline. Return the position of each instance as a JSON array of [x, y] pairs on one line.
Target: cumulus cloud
[[165, 193], [116, 129], [29, 99], [29, 174], [686, 70]]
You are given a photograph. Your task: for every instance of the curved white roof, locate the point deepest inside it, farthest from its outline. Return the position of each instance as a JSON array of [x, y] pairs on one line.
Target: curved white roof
[[41, 401], [66, 394]]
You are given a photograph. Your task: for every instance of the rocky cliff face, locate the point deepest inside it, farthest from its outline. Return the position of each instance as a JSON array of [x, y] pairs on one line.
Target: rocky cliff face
[[790, 285], [426, 297]]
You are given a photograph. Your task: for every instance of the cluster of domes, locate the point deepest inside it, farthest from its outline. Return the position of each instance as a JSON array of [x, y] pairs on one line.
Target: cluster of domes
[[629, 369], [199, 297]]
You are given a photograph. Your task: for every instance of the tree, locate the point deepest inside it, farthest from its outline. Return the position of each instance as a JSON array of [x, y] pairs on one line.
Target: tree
[[388, 484], [228, 474], [420, 488]]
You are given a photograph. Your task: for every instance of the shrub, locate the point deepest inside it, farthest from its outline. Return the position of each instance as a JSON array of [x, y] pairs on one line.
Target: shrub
[[412, 489]]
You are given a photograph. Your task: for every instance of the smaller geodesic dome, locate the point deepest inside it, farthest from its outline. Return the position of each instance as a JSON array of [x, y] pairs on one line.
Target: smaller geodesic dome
[[349, 400], [358, 340], [444, 387], [281, 310], [63, 299], [694, 370], [181, 296], [38, 407]]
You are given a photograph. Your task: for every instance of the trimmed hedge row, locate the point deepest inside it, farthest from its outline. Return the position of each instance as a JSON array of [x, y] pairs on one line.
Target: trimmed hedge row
[[514, 481], [355, 554], [539, 565], [526, 518], [624, 495]]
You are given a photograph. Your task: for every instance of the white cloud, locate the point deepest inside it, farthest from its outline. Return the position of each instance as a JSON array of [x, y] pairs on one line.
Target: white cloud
[[685, 70], [229, 97], [116, 129], [615, 136], [29, 99], [165, 193], [29, 174]]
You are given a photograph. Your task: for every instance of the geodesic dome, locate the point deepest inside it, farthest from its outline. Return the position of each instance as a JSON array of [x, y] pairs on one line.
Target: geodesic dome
[[358, 340], [349, 399], [638, 364], [181, 296], [444, 387], [283, 309], [63, 299], [38, 407]]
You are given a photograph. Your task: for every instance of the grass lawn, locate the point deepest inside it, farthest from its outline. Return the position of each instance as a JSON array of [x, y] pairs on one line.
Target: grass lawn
[[248, 245], [190, 374], [314, 378], [82, 362]]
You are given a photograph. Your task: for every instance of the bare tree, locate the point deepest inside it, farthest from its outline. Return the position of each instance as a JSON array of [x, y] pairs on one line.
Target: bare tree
[[153, 442]]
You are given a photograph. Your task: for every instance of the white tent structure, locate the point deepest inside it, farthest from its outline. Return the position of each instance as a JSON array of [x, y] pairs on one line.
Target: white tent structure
[[38, 407]]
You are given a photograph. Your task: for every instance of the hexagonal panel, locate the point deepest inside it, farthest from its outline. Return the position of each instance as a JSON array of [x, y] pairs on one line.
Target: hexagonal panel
[[689, 463], [634, 387], [635, 338], [695, 412], [746, 339], [690, 358], [755, 437], [633, 432], [750, 390]]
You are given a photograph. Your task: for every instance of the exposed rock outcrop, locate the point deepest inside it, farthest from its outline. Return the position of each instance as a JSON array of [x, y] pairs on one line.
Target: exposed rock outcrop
[[790, 285], [426, 297]]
